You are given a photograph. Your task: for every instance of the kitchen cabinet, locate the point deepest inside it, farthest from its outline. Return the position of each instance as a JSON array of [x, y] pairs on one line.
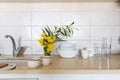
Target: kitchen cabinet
[[60, 77]]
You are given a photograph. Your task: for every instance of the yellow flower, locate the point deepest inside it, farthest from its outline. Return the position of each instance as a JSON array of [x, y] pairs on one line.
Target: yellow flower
[[48, 38], [54, 38], [40, 41], [51, 38], [47, 41], [43, 35], [44, 43], [50, 47]]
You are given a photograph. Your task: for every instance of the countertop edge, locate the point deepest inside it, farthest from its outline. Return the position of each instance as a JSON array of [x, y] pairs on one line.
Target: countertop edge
[[61, 72]]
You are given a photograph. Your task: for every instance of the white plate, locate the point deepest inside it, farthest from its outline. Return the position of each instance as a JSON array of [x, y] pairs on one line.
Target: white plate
[[9, 67]]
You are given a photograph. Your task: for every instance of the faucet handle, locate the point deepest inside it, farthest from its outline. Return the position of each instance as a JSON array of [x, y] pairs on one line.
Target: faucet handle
[[20, 51]]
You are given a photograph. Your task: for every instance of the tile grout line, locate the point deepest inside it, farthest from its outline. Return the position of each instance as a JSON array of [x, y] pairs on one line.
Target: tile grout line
[[31, 31], [90, 10]]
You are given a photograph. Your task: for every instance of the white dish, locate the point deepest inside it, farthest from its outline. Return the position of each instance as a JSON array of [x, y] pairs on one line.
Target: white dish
[[9, 67], [67, 53], [34, 63], [67, 46], [70, 48]]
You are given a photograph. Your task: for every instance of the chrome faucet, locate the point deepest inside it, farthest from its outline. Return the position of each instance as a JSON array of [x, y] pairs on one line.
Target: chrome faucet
[[16, 51]]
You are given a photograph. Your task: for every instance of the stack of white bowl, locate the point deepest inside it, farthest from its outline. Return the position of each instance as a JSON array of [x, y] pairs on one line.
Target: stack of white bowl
[[67, 50]]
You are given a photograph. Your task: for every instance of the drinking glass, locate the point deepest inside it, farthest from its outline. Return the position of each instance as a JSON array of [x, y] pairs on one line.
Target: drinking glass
[[98, 52], [108, 53], [98, 48], [107, 45], [104, 46]]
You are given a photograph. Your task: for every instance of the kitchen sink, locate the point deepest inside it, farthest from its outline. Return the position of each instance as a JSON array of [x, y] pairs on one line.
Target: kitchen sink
[[11, 64], [12, 61], [4, 58]]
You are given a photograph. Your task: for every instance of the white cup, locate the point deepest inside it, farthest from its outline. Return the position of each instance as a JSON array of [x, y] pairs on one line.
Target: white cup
[[34, 63], [84, 53], [46, 60], [90, 52]]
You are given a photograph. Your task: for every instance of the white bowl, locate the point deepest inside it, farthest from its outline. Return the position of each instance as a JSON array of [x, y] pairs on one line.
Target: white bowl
[[67, 53], [34, 62], [67, 46]]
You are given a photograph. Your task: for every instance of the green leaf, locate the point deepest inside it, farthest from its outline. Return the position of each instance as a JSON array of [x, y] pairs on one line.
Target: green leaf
[[65, 32], [43, 30], [68, 29], [47, 31], [55, 28], [62, 33], [77, 29], [72, 23], [72, 31], [58, 39], [59, 30], [50, 31]]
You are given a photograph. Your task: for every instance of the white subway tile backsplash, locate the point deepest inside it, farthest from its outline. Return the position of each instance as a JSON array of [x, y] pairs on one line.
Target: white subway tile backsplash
[[97, 33], [116, 18], [115, 47], [83, 6], [17, 32], [15, 19], [68, 17], [2, 47], [102, 18], [74, 6], [94, 20], [102, 6], [115, 32], [43, 18], [28, 46], [37, 48], [46, 7], [36, 32], [81, 34], [80, 18], [68, 7], [7, 47], [82, 44], [6, 7]]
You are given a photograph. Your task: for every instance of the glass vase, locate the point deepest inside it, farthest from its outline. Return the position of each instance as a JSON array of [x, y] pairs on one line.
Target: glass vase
[[46, 59], [46, 52]]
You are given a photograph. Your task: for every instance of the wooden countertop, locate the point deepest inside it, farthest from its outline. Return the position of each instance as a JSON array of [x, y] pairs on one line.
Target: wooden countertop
[[21, 57], [93, 65]]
